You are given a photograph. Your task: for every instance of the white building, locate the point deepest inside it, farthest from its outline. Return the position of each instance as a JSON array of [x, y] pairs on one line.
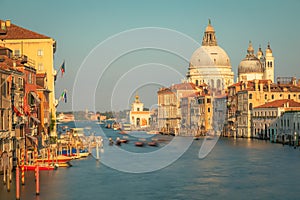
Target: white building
[[210, 64], [256, 67], [275, 118], [139, 117]]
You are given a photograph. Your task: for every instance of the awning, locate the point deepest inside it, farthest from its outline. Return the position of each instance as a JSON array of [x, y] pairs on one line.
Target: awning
[[31, 137], [35, 119], [35, 96]]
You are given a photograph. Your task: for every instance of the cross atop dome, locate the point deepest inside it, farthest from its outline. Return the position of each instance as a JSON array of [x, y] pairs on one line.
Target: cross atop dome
[[209, 38]]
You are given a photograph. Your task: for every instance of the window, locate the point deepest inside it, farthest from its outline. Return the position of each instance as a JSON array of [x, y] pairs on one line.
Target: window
[[266, 96], [272, 96], [288, 123], [289, 96], [197, 82], [40, 67], [299, 96], [29, 78], [250, 106], [250, 96], [40, 52], [3, 87], [208, 101], [20, 82], [208, 110], [17, 53]]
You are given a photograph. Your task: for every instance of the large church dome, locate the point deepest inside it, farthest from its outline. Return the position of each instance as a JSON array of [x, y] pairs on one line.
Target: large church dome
[[210, 56], [210, 64]]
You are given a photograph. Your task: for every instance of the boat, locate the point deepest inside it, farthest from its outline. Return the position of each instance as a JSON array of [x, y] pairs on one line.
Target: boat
[[58, 159], [84, 153], [126, 126], [123, 140], [65, 164], [139, 144], [196, 138], [153, 132], [123, 132], [41, 167], [152, 143], [111, 142], [118, 141]]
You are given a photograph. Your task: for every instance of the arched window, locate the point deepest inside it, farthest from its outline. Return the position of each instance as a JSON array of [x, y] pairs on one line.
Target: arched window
[[219, 83], [212, 83], [250, 96], [272, 96], [271, 64], [266, 96], [250, 106], [197, 82], [289, 96]]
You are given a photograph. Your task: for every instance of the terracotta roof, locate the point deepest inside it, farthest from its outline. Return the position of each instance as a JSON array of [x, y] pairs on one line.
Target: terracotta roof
[[221, 96], [280, 103], [17, 32], [184, 86]]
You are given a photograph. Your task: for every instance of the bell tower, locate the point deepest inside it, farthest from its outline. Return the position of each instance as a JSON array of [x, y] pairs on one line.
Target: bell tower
[[269, 64]]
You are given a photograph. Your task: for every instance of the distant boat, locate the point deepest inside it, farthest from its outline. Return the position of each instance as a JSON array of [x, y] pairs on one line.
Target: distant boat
[[153, 132], [65, 164], [139, 144], [152, 143]]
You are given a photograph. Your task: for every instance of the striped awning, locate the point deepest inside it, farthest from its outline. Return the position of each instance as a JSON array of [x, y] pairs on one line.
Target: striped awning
[[35, 119], [35, 96]]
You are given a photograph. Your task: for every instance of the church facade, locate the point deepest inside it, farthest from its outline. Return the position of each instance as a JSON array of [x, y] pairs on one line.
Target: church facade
[[257, 66], [210, 64]]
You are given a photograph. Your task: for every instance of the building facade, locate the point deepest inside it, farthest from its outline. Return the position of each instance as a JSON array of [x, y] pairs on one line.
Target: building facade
[[210, 64], [139, 118], [169, 111], [257, 66], [244, 96], [38, 48], [268, 121]]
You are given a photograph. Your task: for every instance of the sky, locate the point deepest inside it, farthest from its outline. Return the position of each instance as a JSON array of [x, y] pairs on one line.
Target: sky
[[89, 32]]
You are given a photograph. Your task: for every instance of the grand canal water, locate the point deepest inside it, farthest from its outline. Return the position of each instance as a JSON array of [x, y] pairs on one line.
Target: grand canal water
[[235, 169]]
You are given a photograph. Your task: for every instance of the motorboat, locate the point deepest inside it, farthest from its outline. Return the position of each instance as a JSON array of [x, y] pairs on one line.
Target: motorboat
[[139, 144], [152, 143]]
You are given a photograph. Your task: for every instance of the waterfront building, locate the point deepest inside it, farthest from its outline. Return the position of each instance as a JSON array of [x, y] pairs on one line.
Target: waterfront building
[[39, 48], [210, 64], [169, 112], [269, 122], [287, 127], [219, 111], [244, 96], [257, 67], [44, 110], [138, 116]]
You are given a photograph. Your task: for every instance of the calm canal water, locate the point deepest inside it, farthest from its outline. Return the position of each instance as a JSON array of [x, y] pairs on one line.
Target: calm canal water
[[235, 169]]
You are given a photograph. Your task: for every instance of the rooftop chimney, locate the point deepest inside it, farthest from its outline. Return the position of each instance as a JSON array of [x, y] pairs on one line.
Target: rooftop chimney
[[269, 85], [3, 27], [7, 23], [256, 84]]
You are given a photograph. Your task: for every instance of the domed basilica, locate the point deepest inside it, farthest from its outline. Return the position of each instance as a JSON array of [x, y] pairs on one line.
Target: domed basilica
[[256, 67], [210, 64]]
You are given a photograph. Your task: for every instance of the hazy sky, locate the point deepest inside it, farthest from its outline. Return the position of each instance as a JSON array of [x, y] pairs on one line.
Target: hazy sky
[[79, 26]]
